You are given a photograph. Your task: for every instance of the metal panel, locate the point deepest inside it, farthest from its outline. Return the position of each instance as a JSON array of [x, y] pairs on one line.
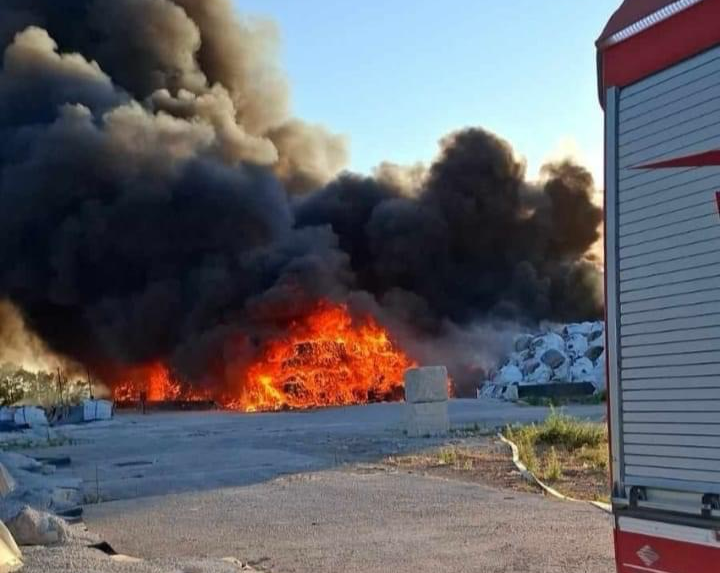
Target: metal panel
[[663, 302], [671, 395], [650, 440], [673, 429], [666, 271], [670, 383], [666, 267], [672, 451], [690, 281], [612, 289]]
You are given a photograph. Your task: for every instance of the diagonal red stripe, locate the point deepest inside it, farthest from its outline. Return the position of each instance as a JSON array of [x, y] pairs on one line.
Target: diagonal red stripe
[[705, 159]]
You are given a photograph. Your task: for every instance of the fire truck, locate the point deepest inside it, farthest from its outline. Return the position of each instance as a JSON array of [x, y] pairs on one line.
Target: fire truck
[[659, 84]]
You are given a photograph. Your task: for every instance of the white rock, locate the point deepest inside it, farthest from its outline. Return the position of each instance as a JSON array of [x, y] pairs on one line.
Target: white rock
[[582, 370], [576, 345], [30, 416], [31, 527], [509, 374], [542, 375]]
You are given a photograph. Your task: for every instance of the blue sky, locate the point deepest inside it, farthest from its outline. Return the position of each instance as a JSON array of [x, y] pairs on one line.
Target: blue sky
[[396, 75]]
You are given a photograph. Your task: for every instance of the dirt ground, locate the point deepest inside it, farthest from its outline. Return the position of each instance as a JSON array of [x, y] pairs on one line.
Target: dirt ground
[[488, 461]]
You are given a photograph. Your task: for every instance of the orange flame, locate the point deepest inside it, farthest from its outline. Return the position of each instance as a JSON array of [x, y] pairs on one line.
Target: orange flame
[[155, 382], [326, 359]]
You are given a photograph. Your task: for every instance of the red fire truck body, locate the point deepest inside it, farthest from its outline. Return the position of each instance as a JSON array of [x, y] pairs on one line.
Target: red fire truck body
[[659, 82]]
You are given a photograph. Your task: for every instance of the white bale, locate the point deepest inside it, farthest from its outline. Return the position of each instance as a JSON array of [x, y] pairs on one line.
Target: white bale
[[428, 419], [30, 416], [95, 410], [423, 385], [576, 345], [7, 483], [582, 328], [509, 374], [582, 370], [549, 341], [541, 375]]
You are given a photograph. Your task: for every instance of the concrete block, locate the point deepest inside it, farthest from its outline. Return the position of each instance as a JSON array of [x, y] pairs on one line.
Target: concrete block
[[95, 410], [426, 385], [428, 419]]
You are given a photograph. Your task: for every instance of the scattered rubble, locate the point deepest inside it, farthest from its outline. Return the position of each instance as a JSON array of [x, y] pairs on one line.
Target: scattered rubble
[[570, 354]]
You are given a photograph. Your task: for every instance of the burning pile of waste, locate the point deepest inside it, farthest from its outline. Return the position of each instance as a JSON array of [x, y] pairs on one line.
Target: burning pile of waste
[[571, 354], [162, 211]]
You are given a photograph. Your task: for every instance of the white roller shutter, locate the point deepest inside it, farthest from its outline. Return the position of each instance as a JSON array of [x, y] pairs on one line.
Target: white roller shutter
[[664, 275]]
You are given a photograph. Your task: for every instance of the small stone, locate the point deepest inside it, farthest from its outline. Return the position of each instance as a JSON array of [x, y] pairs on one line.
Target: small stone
[[30, 527]]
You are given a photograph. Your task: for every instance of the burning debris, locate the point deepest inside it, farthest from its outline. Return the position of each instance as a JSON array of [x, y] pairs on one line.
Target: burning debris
[[160, 206], [326, 359]]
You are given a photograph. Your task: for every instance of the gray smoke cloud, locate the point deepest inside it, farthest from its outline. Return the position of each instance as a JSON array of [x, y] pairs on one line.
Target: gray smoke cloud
[[159, 202]]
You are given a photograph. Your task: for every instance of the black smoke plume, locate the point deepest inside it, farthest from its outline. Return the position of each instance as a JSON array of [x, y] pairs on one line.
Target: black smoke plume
[[159, 202]]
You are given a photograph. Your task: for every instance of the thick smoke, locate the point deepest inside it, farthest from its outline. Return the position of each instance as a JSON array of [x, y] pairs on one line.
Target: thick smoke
[[159, 202]]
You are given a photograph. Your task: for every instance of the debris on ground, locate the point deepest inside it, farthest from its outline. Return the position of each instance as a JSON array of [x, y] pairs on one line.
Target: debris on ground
[[570, 354]]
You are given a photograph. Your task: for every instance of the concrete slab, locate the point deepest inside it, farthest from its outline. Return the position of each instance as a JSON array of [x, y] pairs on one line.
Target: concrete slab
[[427, 384], [426, 420]]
